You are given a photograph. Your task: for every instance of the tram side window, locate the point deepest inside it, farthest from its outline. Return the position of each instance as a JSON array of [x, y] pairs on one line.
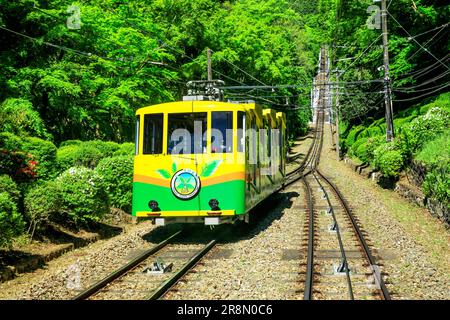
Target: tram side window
[[222, 135], [136, 138], [240, 132], [153, 133]]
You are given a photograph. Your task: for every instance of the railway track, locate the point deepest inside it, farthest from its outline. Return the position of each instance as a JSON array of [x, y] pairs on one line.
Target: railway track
[[333, 231], [135, 281], [336, 233]]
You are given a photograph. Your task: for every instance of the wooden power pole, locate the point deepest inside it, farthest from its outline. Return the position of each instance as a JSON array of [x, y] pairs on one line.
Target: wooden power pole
[[387, 81], [209, 65], [338, 147]]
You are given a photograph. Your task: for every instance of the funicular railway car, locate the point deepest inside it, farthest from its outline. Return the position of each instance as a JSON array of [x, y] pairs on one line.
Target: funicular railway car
[[206, 161]]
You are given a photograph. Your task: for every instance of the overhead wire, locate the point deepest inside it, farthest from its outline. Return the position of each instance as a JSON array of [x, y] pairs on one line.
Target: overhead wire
[[423, 95], [424, 46], [425, 49], [419, 90], [243, 71]]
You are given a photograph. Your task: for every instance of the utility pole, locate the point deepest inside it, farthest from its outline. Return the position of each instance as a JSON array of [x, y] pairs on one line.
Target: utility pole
[[209, 65], [338, 149], [387, 81]]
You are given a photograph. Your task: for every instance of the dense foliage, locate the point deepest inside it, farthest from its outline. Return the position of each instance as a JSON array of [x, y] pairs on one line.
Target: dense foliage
[[422, 135], [418, 33], [85, 83]]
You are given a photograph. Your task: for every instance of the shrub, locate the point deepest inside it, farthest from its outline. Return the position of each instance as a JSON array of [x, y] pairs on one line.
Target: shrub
[[83, 196], [427, 127], [70, 143], [18, 116], [11, 223], [388, 160], [362, 153], [78, 155], [41, 202], [353, 135], [9, 186], [436, 157], [107, 148], [44, 152], [117, 174], [400, 122], [436, 151], [125, 149], [353, 149], [437, 183], [14, 161], [375, 131], [9, 141], [17, 164], [371, 144]]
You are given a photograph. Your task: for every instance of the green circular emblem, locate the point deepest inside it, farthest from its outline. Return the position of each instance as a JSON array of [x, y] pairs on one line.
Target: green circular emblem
[[185, 184]]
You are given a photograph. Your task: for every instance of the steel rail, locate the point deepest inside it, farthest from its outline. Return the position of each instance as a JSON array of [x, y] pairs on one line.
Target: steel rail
[[308, 293], [85, 294], [341, 245], [384, 291], [159, 292]]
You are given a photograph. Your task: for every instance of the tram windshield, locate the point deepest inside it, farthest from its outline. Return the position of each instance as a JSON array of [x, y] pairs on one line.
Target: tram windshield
[[187, 133]]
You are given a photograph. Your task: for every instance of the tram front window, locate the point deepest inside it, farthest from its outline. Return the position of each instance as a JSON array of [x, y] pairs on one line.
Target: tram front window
[[187, 133]]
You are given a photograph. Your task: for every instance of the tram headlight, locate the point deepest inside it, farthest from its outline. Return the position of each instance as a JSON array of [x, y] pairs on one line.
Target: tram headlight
[[214, 204], [153, 204]]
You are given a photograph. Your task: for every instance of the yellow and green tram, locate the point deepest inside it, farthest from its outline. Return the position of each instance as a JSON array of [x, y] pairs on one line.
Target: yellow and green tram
[[206, 161]]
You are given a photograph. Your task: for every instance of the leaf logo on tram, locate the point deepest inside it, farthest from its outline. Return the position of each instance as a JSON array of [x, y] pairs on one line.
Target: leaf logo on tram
[[185, 184]]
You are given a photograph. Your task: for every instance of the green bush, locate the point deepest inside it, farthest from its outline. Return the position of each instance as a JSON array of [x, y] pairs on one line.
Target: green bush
[[117, 174], [44, 152], [107, 148], [372, 144], [20, 166], [375, 131], [78, 155], [424, 109], [83, 195], [87, 154], [41, 201], [9, 141], [9, 186], [353, 135], [400, 122], [388, 160], [436, 151], [11, 223], [427, 127], [437, 183], [436, 157], [353, 149], [70, 143], [19, 117], [125, 149]]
